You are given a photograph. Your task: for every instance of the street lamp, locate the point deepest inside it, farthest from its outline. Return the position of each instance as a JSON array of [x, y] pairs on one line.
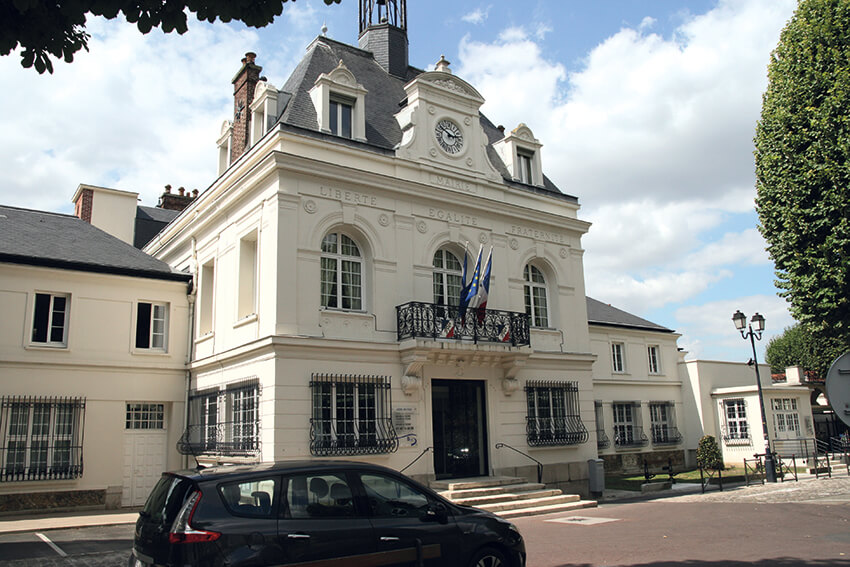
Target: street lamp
[[753, 331]]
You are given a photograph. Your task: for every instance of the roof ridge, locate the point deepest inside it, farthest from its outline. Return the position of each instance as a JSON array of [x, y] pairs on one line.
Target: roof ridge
[[28, 210]]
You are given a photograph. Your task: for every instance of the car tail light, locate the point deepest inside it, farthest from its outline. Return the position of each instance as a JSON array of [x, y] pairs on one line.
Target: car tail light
[[182, 530]]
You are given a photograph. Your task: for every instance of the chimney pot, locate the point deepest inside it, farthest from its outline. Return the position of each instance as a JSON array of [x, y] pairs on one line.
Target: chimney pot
[[250, 56], [182, 191], [168, 188], [194, 193]]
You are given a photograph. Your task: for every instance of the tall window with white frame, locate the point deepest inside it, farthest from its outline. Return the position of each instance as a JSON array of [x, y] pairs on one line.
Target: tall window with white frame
[[248, 266], [737, 428], [652, 353], [786, 420], [553, 414], [447, 278], [50, 319], [151, 325], [618, 357], [207, 299], [340, 115], [626, 429], [664, 431], [525, 162], [342, 273], [536, 306], [243, 401]]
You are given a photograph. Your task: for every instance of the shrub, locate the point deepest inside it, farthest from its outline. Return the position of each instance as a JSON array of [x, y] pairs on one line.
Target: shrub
[[708, 454]]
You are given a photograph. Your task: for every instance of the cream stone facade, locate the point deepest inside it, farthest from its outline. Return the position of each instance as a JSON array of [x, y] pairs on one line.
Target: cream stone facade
[[722, 401], [90, 413]]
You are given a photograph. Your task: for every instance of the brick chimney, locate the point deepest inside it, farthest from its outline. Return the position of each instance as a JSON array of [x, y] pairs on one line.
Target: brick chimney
[[83, 201], [244, 84], [178, 201]]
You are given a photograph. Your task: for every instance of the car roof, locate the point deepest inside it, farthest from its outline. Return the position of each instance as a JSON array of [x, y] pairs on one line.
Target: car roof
[[227, 471]]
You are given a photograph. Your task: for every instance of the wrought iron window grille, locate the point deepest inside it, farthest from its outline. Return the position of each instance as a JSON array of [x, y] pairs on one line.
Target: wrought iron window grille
[[42, 438], [626, 436], [665, 435], [602, 440], [553, 414], [352, 415], [224, 422], [450, 322]]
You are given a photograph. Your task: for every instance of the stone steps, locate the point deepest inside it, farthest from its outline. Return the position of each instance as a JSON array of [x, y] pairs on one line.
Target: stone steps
[[509, 497]]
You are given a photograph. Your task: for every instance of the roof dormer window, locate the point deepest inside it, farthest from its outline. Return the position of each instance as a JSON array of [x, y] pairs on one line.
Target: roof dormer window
[[520, 152], [340, 103]]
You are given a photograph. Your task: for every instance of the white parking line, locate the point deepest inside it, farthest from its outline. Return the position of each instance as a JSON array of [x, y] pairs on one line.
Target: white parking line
[[55, 547]]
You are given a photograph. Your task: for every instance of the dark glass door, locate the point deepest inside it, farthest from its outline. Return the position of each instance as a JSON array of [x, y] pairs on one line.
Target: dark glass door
[[460, 429]]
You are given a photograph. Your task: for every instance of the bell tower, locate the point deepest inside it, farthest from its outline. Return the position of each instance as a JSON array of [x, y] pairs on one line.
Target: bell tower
[[383, 31]]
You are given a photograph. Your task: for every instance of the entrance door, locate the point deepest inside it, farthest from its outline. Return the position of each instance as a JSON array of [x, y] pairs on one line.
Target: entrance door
[[460, 428]]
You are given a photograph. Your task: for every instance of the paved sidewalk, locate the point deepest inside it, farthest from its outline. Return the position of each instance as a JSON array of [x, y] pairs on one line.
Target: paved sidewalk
[[60, 520]]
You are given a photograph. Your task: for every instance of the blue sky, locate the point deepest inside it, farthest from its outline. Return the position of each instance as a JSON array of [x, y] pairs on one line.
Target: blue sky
[[646, 109]]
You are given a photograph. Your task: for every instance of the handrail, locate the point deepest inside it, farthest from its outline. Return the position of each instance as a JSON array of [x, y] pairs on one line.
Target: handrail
[[417, 458], [539, 464]]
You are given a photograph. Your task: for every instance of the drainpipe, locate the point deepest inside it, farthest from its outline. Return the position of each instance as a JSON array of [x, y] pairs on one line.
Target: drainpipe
[[190, 336]]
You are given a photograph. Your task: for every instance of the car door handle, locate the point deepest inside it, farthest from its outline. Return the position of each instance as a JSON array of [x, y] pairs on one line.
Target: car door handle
[[298, 536], [389, 538]]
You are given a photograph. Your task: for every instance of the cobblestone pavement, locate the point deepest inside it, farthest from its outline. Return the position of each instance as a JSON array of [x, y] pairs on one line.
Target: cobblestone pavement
[[810, 490]]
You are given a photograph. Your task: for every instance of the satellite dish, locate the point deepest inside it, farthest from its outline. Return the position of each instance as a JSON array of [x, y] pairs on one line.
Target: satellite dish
[[838, 387]]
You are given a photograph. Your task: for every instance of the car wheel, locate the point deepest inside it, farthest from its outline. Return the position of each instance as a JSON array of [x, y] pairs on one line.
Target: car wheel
[[489, 557]]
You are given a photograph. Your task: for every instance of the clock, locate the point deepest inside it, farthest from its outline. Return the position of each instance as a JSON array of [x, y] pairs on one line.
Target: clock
[[449, 136]]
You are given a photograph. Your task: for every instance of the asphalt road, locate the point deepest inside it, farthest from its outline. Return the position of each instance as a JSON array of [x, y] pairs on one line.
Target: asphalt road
[[793, 524]]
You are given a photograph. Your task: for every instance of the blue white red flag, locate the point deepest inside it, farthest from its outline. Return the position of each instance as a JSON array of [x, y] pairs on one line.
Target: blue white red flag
[[480, 300], [470, 290]]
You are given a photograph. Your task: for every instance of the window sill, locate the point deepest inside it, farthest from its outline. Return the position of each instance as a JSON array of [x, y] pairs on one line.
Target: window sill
[[204, 338], [47, 346], [149, 352], [337, 310], [246, 320]]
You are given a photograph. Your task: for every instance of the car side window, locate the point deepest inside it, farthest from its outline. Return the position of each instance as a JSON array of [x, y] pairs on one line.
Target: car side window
[[318, 496], [391, 498], [253, 498]]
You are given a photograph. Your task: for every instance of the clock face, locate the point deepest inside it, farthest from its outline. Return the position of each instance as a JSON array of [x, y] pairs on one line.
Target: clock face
[[449, 136]]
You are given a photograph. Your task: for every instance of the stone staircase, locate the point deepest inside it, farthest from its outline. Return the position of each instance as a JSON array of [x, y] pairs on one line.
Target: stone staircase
[[509, 497]]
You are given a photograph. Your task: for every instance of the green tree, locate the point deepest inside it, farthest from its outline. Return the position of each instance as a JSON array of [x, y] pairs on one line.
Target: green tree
[[708, 454], [57, 28], [794, 347], [803, 170]]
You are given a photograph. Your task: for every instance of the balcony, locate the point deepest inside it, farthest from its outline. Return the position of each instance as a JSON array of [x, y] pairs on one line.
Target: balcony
[[629, 436], [665, 435], [447, 322]]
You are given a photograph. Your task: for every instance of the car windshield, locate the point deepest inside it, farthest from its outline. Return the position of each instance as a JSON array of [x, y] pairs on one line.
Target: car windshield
[[165, 498]]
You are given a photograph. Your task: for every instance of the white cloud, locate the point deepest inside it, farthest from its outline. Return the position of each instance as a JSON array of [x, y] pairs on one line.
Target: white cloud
[[711, 324], [477, 16], [134, 113]]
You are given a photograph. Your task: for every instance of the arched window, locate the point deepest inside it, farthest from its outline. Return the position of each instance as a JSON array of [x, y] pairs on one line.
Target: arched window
[[342, 273], [447, 278], [535, 297]]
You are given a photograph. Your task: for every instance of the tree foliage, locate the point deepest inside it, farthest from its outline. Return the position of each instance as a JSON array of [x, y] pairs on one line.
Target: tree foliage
[[57, 28], [794, 347], [803, 169], [708, 454]]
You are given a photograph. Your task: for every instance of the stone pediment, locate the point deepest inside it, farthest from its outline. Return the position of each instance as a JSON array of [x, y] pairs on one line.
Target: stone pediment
[[447, 82]]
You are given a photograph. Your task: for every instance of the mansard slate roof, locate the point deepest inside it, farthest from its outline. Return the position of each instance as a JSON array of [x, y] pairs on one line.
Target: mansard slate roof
[[149, 221], [53, 240], [384, 99], [599, 313]]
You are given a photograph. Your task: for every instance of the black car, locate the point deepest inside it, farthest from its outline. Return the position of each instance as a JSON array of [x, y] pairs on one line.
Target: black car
[[316, 513]]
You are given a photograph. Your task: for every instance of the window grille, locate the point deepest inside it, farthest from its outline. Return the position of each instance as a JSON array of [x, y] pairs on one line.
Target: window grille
[[224, 421], [351, 415], [42, 438], [553, 414], [664, 430], [627, 431]]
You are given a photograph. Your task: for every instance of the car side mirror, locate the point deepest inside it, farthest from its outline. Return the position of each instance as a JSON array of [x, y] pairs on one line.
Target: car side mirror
[[436, 512]]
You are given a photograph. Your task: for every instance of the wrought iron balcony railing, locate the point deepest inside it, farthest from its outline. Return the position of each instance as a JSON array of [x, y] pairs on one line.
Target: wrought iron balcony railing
[[665, 435], [428, 320], [602, 440], [568, 430], [629, 436], [229, 439]]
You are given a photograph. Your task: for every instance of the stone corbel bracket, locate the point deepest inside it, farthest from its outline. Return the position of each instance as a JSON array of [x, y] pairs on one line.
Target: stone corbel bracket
[[512, 366], [411, 380]]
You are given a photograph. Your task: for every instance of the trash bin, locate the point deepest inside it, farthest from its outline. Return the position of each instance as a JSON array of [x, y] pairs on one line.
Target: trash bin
[[596, 477]]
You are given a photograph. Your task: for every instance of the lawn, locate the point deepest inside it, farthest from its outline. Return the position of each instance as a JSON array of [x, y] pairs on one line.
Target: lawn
[[634, 482]]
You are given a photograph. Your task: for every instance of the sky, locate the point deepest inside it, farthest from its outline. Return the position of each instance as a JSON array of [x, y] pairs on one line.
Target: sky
[[646, 110]]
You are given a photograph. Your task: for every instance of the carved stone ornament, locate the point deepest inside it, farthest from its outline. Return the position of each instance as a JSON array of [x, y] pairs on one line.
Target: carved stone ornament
[[514, 244], [384, 219], [433, 152], [422, 226], [431, 109], [482, 238], [469, 162], [563, 253], [510, 385], [467, 120], [310, 206], [410, 384], [450, 85]]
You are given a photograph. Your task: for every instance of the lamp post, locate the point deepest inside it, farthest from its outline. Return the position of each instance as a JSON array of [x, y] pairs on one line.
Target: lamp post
[[757, 321]]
